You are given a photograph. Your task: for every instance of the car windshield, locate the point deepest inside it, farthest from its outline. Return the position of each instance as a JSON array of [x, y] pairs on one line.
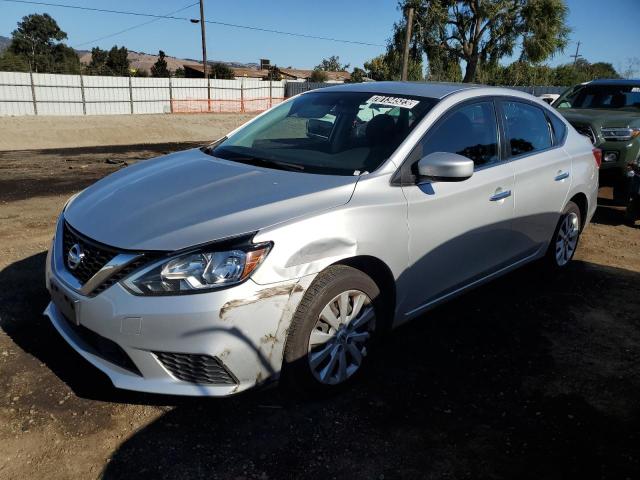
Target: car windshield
[[602, 96], [339, 133]]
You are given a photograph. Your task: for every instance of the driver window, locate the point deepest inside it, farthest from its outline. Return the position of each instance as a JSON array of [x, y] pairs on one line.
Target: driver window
[[471, 131]]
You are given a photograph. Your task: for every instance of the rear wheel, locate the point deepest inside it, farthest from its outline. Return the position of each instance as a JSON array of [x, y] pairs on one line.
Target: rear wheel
[[332, 330], [565, 238]]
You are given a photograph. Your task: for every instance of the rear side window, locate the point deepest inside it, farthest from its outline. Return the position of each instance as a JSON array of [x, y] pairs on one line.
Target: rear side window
[[526, 128], [471, 131], [559, 129]]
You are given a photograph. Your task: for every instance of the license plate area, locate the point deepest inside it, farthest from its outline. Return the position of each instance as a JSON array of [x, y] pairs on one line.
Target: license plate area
[[66, 304]]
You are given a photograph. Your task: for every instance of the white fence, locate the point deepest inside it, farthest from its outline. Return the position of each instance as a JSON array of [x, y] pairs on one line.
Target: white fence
[[52, 94]]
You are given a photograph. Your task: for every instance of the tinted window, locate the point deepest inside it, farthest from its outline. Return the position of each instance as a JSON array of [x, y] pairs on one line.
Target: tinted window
[[470, 131], [526, 128], [559, 129]]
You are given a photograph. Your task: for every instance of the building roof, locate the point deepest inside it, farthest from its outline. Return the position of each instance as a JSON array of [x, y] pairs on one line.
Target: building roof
[[304, 74], [419, 89]]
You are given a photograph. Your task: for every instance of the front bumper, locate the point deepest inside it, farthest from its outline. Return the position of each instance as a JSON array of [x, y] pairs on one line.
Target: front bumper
[[242, 328]]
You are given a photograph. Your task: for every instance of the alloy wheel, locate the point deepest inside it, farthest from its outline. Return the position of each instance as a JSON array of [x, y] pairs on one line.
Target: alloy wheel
[[338, 341], [567, 238]]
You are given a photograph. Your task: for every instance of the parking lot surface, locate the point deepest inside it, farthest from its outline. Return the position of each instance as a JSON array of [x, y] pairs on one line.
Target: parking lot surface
[[528, 377]]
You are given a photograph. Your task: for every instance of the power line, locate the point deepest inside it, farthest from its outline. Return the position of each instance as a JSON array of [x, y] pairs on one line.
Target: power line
[[171, 17], [134, 26]]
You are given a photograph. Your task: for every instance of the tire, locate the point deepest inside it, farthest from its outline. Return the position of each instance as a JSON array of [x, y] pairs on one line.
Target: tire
[[566, 237], [297, 371], [632, 212]]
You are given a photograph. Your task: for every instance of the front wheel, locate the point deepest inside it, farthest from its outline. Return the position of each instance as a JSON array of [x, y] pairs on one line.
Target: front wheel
[[565, 238], [332, 330]]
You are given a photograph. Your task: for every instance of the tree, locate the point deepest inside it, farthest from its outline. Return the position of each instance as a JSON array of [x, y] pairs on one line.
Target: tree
[[221, 71], [98, 63], [37, 41], [318, 76], [481, 32], [582, 71], [633, 65], [377, 69], [178, 72], [159, 69], [10, 62], [115, 62], [118, 61], [141, 72], [358, 75], [332, 64]]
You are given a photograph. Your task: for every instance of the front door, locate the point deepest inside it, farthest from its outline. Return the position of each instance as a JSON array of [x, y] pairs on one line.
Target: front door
[[459, 231]]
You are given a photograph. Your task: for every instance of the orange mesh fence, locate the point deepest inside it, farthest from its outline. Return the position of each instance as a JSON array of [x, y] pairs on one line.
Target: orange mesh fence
[[248, 105]]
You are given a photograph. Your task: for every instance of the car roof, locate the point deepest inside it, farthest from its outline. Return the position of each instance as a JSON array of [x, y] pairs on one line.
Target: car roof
[[634, 82], [418, 89]]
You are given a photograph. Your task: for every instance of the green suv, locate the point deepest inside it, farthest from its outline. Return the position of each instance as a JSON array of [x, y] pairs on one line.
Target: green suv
[[608, 112]]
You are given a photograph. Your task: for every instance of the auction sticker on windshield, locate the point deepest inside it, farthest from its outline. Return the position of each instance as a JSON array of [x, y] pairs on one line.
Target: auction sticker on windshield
[[393, 101]]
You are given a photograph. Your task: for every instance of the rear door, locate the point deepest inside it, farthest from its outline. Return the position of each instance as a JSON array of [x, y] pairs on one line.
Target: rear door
[[542, 172]]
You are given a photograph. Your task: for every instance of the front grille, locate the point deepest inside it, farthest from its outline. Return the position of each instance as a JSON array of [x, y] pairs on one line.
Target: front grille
[[95, 256], [194, 368], [103, 347], [587, 131]]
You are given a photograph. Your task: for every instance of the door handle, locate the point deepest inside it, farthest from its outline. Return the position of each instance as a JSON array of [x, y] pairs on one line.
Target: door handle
[[561, 176], [500, 195]]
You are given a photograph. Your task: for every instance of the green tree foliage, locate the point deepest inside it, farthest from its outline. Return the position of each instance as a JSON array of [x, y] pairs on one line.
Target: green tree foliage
[[37, 42], [10, 62], [220, 71], [389, 67], [318, 76], [358, 75], [583, 71], [118, 61], [141, 72], [179, 72], [159, 69], [332, 64], [481, 32], [115, 62]]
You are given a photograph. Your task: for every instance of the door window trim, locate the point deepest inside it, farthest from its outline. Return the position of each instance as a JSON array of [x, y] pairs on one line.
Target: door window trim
[[403, 175], [507, 147]]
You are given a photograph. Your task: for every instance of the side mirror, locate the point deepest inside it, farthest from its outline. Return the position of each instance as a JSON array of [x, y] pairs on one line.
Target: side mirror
[[445, 167]]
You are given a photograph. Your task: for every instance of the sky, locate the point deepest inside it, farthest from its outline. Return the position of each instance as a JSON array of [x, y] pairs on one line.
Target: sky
[[608, 30]]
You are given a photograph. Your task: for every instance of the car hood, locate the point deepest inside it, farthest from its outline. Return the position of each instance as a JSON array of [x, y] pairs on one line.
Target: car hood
[[601, 117], [190, 198]]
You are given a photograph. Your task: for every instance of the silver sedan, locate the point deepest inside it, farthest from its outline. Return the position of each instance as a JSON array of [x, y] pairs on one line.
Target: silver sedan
[[287, 248]]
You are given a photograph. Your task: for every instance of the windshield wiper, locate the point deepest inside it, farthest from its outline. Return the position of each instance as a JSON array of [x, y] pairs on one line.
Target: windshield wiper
[[259, 161]]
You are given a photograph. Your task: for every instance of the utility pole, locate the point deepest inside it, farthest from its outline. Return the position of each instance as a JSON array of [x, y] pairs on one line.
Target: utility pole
[[577, 55], [204, 39], [204, 55], [407, 40]]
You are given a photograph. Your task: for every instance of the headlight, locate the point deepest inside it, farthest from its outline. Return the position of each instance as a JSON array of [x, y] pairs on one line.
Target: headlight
[[197, 271], [613, 133]]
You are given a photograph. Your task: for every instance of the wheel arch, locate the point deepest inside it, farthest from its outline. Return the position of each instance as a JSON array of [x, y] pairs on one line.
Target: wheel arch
[[381, 274], [580, 199]]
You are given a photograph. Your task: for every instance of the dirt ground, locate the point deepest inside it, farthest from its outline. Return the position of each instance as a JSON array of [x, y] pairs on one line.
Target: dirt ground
[[529, 377]]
